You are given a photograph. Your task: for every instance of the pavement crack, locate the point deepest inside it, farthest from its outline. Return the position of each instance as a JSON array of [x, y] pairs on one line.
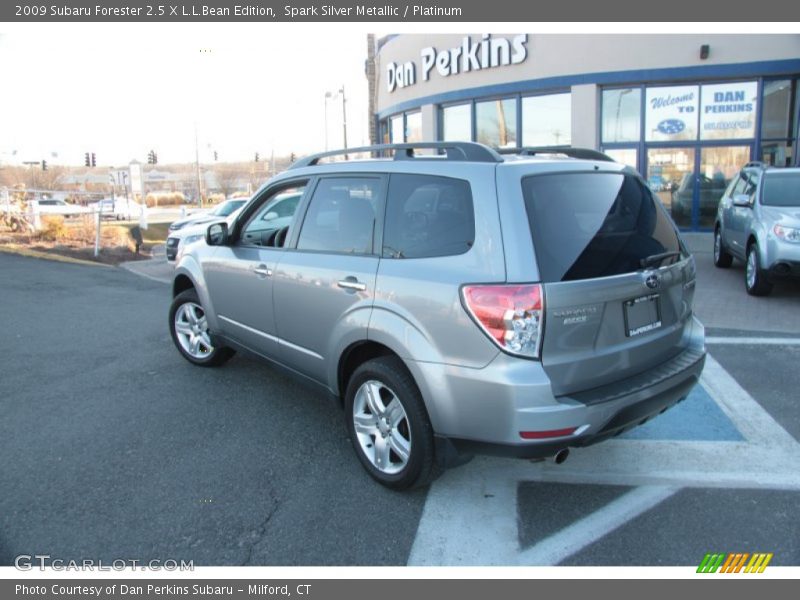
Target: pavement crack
[[257, 534]]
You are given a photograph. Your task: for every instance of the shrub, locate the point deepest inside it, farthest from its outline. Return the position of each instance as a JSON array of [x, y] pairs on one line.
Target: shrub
[[154, 199], [53, 228]]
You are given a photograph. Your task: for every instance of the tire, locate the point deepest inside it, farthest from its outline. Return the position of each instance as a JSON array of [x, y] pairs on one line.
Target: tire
[[755, 279], [189, 330], [722, 259], [394, 440]]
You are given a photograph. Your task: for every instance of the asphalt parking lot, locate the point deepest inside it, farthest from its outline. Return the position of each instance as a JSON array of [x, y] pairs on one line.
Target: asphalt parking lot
[[115, 447]]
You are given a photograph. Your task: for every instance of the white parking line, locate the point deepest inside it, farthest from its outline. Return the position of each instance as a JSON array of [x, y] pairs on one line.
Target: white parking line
[[754, 341], [580, 534], [470, 515]]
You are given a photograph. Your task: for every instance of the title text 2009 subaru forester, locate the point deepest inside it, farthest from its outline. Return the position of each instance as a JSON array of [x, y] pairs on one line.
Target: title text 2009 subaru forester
[[456, 302]]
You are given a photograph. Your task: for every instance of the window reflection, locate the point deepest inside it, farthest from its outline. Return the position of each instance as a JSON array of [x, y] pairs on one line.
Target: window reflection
[[547, 120], [497, 122]]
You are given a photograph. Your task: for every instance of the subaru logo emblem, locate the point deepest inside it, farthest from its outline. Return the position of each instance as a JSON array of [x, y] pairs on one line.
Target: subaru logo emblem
[[652, 281], [671, 126]]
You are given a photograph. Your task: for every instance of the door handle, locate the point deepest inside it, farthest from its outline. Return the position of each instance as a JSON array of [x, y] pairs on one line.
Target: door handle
[[262, 271], [351, 283]]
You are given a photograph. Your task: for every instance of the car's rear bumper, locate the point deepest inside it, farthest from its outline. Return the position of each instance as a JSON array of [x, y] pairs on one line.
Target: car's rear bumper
[[486, 410]]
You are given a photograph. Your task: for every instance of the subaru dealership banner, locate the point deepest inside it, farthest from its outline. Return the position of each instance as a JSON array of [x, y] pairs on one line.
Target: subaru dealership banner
[[392, 11]]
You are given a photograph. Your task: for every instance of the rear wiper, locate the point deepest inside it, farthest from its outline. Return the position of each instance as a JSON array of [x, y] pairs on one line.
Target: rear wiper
[[657, 259]]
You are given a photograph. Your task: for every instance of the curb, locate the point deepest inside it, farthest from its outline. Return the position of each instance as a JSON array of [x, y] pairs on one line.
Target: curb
[[47, 256]]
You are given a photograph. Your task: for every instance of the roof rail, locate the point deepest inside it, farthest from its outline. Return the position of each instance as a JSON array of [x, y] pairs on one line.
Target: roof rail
[[756, 163], [461, 151], [582, 153]]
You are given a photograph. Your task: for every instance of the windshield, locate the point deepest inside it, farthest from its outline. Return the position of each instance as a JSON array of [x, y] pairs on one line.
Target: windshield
[[587, 225], [227, 207], [781, 189]]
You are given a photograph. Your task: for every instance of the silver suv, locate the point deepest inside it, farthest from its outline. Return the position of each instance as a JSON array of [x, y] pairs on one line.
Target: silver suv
[[758, 221], [457, 302]]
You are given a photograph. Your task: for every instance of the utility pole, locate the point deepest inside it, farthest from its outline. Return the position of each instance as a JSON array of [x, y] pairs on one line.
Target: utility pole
[[344, 119], [197, 165]]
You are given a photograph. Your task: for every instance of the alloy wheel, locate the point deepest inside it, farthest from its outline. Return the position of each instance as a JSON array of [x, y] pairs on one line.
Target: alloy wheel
[[191, 329], [381, 426]]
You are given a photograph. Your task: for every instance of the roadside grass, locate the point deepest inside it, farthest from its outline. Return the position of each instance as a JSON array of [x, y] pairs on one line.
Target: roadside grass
[[156, 233]]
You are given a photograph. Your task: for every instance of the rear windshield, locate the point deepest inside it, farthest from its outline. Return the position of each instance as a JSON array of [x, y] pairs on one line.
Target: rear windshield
[[587, 225], [781, 189]]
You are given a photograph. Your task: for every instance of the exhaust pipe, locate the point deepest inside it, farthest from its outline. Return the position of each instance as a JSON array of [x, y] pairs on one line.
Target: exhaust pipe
[[561, 456]]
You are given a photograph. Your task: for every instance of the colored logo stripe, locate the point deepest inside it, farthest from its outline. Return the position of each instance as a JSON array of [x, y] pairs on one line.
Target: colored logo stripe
[[734, 562]]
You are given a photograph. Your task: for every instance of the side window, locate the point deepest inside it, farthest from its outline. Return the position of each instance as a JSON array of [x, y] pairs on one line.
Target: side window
[[341, 216], [269, 225], [750, 184], [428, 216]]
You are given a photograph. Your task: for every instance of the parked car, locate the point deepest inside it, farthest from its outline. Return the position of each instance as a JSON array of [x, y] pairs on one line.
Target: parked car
[[222, 210], [711, 189], [452, 305], [53, 206], [117, 208], [758, 221]]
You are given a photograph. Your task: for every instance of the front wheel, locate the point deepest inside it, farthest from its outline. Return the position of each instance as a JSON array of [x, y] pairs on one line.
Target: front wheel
[[189, 329], [755, 279], [388, 424], [722, 258]]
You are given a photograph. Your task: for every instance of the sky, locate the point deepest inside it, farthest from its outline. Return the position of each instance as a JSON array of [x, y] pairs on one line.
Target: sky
[[121, 90]]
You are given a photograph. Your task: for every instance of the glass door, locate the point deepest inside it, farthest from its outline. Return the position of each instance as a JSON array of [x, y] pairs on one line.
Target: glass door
[[718, 165], [670, 174]]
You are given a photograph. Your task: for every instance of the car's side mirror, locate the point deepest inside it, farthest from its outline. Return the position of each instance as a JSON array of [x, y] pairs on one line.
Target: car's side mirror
[[742, 200], [270, 216], [217, 234]]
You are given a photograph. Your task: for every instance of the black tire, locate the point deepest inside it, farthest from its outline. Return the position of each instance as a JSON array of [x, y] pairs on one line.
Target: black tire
[[420, 467], [758, 284], [214, 357], [722, 259]]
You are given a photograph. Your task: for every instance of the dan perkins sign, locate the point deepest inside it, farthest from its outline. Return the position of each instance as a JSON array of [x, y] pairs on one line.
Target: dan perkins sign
[[487, 53]]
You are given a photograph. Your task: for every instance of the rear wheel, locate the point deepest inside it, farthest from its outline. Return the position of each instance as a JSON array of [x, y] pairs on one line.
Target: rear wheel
[[722, 258], [755, 279], [388, 424], [189, 329]]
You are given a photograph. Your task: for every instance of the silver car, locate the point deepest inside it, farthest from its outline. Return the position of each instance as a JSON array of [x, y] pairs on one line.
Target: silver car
[[758, 221], [455, 303]]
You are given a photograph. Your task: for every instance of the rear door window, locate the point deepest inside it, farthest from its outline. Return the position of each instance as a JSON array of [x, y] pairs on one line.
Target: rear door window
[[428, 216], [341, 216], [587, 225]]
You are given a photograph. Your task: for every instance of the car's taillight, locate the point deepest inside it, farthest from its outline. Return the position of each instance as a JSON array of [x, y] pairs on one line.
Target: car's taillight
[[511, 315]]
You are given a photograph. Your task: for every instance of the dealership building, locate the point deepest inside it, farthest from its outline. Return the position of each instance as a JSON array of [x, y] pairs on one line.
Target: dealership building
[[687, 110]]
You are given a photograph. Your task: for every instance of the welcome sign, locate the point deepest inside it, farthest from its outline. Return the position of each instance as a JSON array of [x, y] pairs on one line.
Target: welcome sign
[[671, 113]]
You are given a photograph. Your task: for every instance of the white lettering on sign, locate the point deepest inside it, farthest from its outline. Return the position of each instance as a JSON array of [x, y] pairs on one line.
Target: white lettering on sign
[[487, 53]]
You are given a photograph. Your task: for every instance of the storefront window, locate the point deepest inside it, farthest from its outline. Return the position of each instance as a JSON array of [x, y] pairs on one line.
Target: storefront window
[[728, 111], [457, 123], [777, 109], [625, 156], [622, 110], [547, 120], [496, 122], [396, 129], [384, 132], [671, 113], [414, 127], [777, 154]]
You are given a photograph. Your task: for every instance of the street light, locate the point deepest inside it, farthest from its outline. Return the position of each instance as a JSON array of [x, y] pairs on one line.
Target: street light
[[344, 115]]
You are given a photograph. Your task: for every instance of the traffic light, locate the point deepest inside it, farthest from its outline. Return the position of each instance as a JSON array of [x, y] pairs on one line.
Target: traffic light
[[152, 157], [88, 160], [94, 162], [256, 156], [292, 158], [215, 156], [44, 165]]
